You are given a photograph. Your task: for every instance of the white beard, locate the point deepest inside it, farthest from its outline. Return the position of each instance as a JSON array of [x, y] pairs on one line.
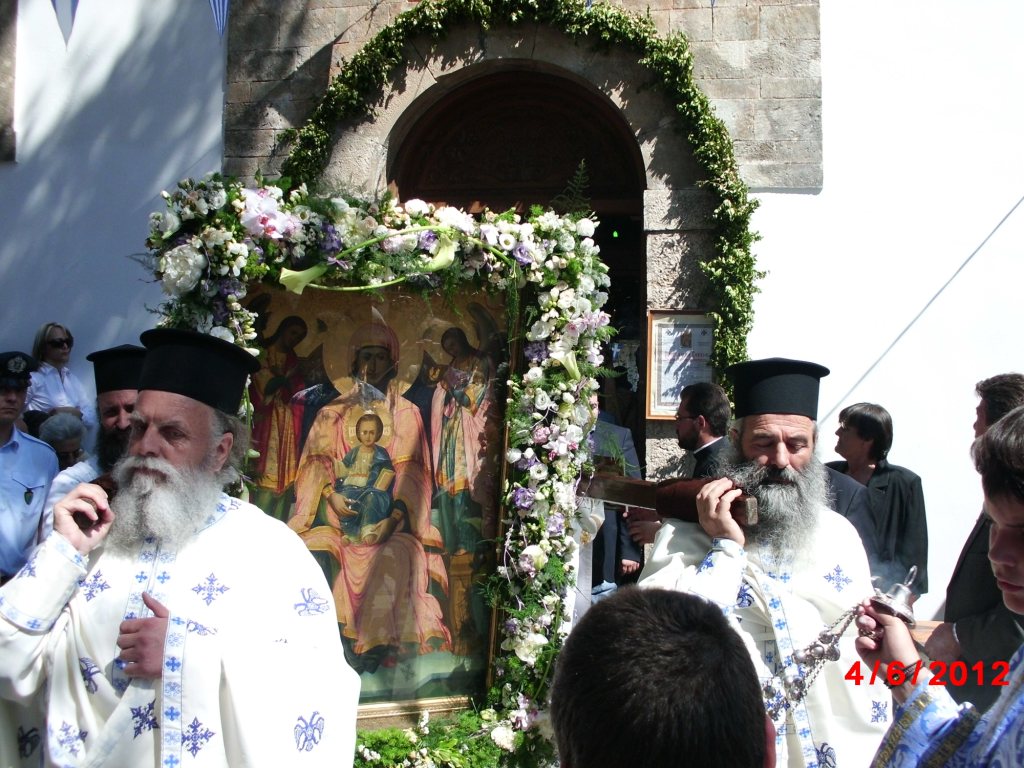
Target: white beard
[[789, 503], [168, 509]]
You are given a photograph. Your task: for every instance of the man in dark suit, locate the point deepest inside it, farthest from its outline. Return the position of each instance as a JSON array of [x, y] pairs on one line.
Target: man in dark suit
[[701, 423], [978, 626]]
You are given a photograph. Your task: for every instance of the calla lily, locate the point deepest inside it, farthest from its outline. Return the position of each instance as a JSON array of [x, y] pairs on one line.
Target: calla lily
[[296, 281], [444, 256]]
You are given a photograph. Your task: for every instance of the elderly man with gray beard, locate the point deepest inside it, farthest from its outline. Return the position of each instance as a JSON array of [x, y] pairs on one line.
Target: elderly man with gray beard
[[788, 581], [175, 619]]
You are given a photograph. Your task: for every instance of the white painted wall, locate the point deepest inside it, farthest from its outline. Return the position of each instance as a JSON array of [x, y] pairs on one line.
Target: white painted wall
[[132, 104], [923, 156], [923, 126]]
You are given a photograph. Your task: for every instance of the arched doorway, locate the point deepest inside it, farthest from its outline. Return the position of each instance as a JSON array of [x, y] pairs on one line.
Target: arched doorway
[[513, 138]]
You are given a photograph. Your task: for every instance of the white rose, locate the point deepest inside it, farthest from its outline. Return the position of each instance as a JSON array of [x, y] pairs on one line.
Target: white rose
[[417, 207], [585, 228], [181, 269], [513, 455], [542, 400], [538, 472], [535, 374]]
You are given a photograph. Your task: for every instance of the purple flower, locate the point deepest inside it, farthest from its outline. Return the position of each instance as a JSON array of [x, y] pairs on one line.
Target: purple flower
[[523, 497], [427, 239], [330, 241], [536, 351], [522, 254], [556, 524]]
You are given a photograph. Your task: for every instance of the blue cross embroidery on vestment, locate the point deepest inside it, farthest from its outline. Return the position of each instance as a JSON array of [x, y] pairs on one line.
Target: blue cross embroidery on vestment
[[141, 576], [29, 568], [173, 663], [196, 737], [172, 713], [172, 689], [838, 579], [199, 629], [879, 711], [705, 563], [211, 590], [93, 585], [147, 556], [308, 732], [312, 604], [744, 599], [143, 718], [164, 577], [70, 738], [171, 761], [89, 670]]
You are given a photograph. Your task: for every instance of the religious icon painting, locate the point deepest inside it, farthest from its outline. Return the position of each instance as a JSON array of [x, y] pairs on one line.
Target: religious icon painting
[[379, 431]]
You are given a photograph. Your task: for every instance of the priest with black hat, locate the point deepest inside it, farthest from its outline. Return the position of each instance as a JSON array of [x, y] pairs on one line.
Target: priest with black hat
[[788, 581], [116, 371], [174, 624]]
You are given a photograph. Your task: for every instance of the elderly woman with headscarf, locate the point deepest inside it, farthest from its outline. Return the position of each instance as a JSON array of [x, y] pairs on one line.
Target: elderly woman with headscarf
[[381, 578]]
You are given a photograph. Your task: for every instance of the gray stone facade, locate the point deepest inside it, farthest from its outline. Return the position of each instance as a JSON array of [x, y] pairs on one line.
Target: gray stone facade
[[757, 61], [8, 51]]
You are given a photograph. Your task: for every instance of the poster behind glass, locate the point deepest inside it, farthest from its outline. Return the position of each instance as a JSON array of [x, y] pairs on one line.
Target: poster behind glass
[[680, 346], [379, 434]]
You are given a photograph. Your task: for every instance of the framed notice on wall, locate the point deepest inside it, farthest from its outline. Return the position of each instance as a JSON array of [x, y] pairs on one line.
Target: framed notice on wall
[[679, 345]]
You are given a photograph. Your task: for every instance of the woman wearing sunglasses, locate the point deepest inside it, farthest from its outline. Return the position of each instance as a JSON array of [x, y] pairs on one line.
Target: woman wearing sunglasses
[[54, 388]]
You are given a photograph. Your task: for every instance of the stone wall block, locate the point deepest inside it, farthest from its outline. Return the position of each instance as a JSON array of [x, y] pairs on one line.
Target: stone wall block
[[720, 60], [672, 210], [450, 54], [787, 119], [315, 28], [667, 156], [358, 164], [795, 151], [665, 458], [735, 23], [251, 143], [674, 277], [695, 23], [791, 88], [791, 58], [731, 88], [739, 116], [254, 31], [792, 177], [791, 22]]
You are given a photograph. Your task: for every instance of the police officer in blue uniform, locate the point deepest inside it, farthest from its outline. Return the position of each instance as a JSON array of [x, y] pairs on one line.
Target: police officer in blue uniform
[[27, 466]]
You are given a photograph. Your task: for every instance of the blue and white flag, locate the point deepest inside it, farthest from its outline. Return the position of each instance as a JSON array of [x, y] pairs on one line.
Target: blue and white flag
[[220, 14], [65, 10]]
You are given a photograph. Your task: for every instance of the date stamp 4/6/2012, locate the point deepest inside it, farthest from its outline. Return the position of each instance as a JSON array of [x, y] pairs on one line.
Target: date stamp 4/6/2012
[[956, 673]]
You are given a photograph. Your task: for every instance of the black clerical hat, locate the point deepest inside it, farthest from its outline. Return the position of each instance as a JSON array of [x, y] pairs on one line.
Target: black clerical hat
[[196, 365], [776, 385], [117, 368], [15, 368]]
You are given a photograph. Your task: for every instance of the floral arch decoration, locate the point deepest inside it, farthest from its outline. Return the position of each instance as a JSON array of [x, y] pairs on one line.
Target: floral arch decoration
[[216, 237]]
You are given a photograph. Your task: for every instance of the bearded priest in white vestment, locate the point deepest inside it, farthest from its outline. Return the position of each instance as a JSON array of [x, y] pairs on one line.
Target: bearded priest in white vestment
[[174, 625], [787, 579]]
